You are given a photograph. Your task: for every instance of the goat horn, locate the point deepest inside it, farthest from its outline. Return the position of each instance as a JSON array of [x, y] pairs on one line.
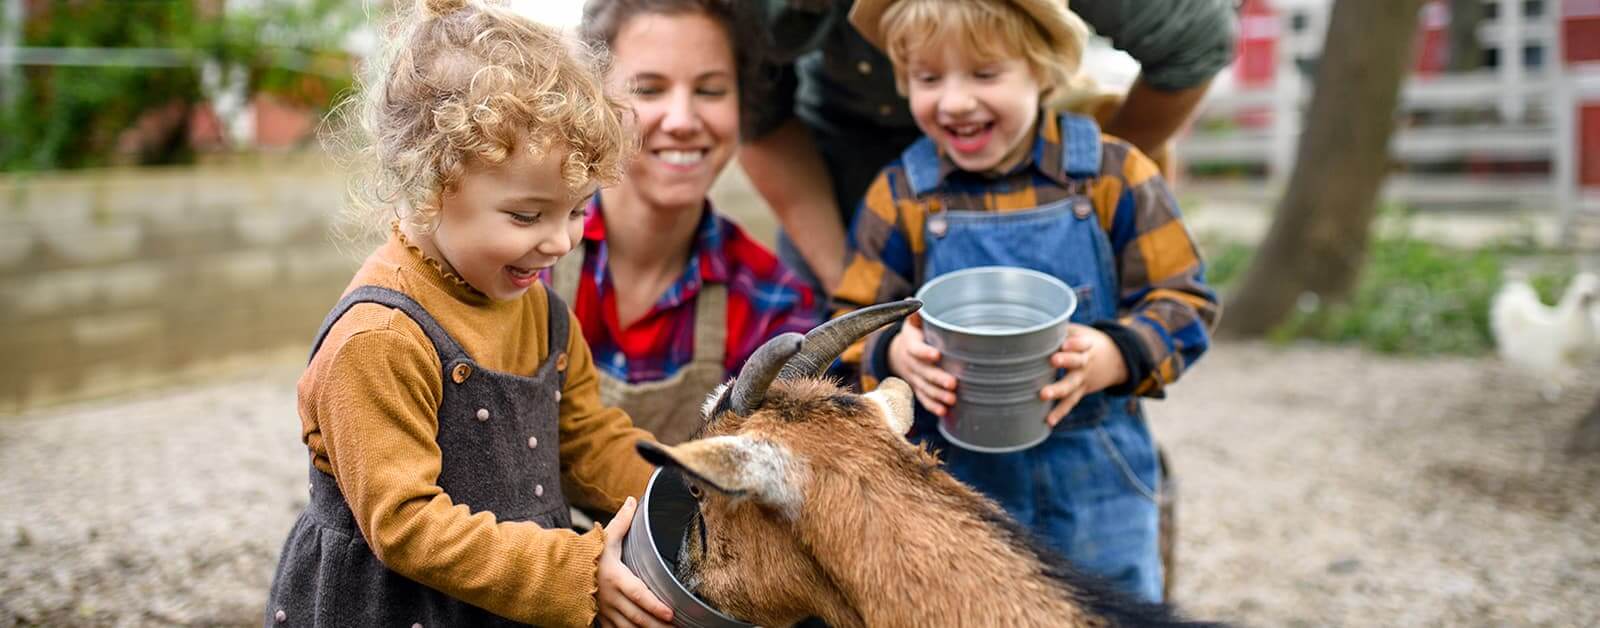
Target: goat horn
[[750, 388], [825, 343]]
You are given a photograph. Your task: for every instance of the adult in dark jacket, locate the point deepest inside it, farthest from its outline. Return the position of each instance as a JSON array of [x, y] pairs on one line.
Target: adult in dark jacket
[[835, 117]]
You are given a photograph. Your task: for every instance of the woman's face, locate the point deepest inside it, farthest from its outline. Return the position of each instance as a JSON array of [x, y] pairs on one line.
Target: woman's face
[[678, 73]]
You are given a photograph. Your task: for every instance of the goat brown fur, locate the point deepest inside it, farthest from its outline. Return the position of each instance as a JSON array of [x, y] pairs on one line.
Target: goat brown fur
[[816, 505]]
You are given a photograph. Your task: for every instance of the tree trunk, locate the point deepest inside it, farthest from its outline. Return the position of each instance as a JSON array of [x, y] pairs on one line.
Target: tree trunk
[[1318, 240], [1466, 52], [1586, 439]]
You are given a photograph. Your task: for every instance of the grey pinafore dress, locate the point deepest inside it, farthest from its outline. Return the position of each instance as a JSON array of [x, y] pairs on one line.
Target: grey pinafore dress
[[498, 440], [668, 408]]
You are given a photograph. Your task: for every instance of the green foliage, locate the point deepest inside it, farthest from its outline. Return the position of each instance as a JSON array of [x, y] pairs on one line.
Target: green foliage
[[72, 116], [1414, 297], [1226, 262]]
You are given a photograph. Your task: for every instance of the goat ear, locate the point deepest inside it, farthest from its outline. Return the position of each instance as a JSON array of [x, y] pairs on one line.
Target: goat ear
[[734, 465], [895, 398]]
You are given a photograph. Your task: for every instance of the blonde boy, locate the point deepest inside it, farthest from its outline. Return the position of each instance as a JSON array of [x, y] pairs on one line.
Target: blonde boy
[[1002, 178]]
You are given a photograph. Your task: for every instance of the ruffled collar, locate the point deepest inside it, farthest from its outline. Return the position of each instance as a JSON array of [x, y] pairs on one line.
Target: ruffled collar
[[449, 276]]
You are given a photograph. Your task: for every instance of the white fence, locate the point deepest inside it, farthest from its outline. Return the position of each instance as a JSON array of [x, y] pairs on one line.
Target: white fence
[[1524, 116], [1547, 134]]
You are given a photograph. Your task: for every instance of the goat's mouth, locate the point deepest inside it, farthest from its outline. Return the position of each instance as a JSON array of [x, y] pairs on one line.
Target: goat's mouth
[[692, 549]]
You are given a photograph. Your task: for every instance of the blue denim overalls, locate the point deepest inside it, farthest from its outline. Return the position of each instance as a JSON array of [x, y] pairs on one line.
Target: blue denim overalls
[[1089, 489]]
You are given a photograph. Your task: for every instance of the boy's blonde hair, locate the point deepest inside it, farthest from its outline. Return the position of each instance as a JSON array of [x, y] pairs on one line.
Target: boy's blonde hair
[[988, 30], [468, 81]]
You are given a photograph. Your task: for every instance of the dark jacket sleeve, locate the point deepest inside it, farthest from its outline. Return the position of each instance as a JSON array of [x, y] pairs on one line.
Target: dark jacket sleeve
[[794, 28], [1178, 43]]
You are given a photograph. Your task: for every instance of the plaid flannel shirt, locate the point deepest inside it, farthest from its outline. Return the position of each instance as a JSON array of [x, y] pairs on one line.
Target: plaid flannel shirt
[[1165, 309], [764, 300]]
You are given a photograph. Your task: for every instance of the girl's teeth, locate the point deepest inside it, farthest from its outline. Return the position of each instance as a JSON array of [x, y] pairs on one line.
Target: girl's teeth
[[681, 157]]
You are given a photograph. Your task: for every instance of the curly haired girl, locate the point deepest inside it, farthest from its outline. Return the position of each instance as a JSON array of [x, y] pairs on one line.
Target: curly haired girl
[[451, 407]]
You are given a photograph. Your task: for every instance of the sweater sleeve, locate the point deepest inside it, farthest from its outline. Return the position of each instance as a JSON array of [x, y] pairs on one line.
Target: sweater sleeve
[[1166, 310], [1178, 43], [598, 455], [377, 398]]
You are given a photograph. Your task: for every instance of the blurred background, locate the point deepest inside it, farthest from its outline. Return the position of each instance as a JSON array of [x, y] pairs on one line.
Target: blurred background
[[1399, 426]]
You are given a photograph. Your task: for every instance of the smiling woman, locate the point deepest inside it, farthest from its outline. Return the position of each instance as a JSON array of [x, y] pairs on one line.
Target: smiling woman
[[672, 296]]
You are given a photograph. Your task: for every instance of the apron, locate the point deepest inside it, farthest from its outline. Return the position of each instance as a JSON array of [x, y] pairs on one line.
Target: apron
[[1089, 489], [500, 453], [668, 408]]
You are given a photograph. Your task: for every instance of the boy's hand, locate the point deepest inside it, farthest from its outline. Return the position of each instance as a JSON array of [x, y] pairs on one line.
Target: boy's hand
[[913, 360], [622, 598], [1092, 362]]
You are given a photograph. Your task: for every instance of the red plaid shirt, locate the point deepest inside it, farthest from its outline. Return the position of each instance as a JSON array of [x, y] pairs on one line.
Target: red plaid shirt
[[764, 300]]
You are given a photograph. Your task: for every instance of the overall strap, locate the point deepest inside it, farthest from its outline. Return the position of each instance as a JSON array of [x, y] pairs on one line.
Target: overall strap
[[558, 330], [711, 323], [443, 343]]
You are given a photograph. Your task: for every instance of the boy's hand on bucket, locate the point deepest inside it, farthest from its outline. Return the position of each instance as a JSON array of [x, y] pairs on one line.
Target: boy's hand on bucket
[[1092, 363], [621, 597], [911, 358]]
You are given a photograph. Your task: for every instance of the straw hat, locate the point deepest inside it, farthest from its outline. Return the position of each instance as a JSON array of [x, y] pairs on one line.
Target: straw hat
[[1066, 31]]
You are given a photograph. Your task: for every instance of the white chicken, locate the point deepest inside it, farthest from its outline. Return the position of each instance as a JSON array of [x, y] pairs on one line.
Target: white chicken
[[1551, 344]]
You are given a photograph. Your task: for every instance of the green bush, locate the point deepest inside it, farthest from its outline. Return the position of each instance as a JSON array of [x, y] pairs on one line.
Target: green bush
[[1414, 297], [71, 116]]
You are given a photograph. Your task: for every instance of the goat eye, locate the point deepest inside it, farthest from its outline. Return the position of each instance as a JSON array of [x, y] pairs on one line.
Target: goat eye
[[696, 492]]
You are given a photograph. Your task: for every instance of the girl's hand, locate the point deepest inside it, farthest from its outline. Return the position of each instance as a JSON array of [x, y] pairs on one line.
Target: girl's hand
[[913, 360], [622, 597], [1092, 362]]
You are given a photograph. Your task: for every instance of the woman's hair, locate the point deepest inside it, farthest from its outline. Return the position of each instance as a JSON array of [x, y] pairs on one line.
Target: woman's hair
[[461, 82], [988, 30], [603, 19]]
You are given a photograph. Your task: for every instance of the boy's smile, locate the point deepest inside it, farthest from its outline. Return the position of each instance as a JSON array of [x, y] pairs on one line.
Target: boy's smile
[[981, 113]]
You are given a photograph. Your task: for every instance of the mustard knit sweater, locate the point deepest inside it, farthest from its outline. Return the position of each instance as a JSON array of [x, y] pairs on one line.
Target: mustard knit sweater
[[368, 411]]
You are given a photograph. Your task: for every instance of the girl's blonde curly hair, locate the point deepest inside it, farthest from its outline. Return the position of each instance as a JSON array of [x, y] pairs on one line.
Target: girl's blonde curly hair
[[468, 81]]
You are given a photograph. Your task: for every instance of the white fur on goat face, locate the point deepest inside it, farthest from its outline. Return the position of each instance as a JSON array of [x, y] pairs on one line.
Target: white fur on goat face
[[753, 475]]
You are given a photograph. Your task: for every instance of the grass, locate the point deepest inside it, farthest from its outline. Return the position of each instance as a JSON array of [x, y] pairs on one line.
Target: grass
[[1414, 297]]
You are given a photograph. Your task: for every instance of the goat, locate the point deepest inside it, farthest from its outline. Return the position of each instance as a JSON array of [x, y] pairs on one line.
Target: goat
[[812, 503]]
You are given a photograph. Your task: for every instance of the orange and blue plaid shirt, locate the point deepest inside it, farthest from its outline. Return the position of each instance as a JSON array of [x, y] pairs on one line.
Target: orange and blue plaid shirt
[[1164, 306], [764, 299]]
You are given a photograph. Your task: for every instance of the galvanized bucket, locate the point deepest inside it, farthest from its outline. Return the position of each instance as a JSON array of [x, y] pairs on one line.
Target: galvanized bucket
[[650, 550], [995, 328]]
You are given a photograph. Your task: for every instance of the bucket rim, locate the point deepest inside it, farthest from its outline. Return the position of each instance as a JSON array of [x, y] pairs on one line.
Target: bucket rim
[[1072, 301], [659, 562]]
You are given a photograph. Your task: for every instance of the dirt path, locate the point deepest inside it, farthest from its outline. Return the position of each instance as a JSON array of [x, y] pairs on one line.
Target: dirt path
[[1327, 487], [1321, 487]]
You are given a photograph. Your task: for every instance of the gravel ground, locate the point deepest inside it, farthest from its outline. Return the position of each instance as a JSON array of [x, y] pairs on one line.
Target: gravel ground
[[1319, 487]]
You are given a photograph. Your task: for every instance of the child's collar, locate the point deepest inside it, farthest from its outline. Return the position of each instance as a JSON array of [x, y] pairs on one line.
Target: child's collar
[[1074, 138]]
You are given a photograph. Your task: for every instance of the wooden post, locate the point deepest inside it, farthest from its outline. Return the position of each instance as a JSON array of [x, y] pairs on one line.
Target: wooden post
[[10, 40], [1512, 105]]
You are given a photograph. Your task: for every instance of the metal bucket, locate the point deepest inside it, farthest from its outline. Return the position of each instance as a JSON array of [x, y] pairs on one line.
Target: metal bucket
[[650, 550], [995, 328]]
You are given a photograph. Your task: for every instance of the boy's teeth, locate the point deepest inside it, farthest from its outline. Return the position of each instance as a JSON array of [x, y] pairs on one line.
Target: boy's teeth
[[681, 157]]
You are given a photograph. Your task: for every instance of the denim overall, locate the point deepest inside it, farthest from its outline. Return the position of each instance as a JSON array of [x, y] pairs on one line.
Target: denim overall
[[1089, 490], [498, 442]]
